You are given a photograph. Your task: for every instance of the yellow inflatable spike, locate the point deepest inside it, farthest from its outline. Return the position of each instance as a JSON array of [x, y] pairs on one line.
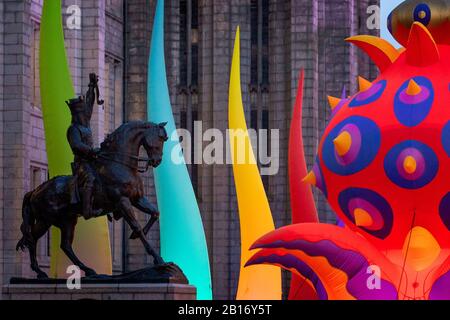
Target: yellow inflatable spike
[[310, 178], [413, 88], [382, 53], [420, 248], [343, 143], [364, 84], [334, 102], [410, 165], [362, 218], [259, 282]]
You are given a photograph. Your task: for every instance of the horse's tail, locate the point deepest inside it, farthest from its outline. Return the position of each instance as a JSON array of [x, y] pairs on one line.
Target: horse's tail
[[27, 224]]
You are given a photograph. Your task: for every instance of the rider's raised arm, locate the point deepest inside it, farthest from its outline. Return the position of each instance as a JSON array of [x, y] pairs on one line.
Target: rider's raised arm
[[79, 148], [90, 94]]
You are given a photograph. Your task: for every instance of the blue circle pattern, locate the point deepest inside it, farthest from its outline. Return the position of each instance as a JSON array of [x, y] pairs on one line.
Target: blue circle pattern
[[359, 103], [446, 138], [444, 210], [431, 165], [370, 144], [374, 199], [425, 8], [412, 115]]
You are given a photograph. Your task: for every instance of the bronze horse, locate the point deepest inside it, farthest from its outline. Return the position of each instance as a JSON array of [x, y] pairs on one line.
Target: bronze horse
[[118, 188]]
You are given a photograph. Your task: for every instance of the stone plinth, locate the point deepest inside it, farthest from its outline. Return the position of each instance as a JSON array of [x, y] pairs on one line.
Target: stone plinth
[[144, 291]]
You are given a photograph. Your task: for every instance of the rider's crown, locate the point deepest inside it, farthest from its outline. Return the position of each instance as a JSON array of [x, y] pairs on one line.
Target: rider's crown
[[76, 105]]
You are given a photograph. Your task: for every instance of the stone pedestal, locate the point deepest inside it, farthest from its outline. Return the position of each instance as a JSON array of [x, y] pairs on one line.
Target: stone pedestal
[[117, 291]]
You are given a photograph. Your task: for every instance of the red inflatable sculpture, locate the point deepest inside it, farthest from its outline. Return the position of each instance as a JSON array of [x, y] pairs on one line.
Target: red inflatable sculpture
[[384, 166]]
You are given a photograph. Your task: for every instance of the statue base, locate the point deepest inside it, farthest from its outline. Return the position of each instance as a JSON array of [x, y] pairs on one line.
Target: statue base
[[165, 282]]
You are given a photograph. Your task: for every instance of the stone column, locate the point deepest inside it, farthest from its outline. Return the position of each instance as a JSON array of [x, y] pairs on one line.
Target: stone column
[[93, 54], [139, 15], [220, 55], [2, 204], [280, 106], [16, 120], [304, 54], [74, 47], [218, 23], [138, 26], [367, 69], [206, 95]]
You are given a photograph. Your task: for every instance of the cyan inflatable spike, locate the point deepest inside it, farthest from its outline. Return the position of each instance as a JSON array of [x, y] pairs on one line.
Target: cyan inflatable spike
[[182, 236]]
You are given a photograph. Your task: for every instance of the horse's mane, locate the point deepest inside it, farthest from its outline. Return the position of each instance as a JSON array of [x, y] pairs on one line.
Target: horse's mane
[[118, 134]]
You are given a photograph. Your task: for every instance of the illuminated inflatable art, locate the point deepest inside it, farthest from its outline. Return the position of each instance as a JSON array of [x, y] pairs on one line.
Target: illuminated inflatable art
[[183, 239], [384, 166], [91, 238], [258, 282]]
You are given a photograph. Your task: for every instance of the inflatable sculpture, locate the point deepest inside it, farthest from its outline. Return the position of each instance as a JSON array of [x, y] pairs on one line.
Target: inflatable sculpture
[[384, 165], [183, 239], [259, 282], [92, 238], [302, 200]]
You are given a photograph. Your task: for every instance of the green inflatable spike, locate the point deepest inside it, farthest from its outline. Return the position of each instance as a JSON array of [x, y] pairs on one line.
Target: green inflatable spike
[[91, 242]]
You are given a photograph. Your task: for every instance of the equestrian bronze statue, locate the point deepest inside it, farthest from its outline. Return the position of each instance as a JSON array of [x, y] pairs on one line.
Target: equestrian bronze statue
[[104, 181]]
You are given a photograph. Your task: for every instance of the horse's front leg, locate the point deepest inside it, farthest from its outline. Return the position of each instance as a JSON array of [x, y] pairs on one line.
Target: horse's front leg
[[127, 212], [145, 206]]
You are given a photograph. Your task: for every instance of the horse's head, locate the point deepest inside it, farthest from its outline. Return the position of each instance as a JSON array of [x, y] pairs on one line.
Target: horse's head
[[153, 143]]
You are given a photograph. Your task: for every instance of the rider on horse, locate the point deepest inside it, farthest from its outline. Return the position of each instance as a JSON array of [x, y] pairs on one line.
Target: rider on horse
[[80, 139]]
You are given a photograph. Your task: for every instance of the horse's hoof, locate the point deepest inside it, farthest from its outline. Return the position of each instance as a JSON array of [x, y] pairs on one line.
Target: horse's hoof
[[42, 275], [100, 277], [90, 273], [167, 266]]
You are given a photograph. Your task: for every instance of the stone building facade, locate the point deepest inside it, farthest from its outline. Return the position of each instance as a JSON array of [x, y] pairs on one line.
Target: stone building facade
[[278, 37]]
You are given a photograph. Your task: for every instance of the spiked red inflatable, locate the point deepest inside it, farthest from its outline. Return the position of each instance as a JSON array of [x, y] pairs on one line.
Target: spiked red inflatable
[[384, 166]]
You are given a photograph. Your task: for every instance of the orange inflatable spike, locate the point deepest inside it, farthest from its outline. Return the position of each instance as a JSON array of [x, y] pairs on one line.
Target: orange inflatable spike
[[410, 165], [422, 50], [310, 178], [343, 143], [334, 102], [413, 88], [364, 84], [421, 248], [362, 218], [380, 51]]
